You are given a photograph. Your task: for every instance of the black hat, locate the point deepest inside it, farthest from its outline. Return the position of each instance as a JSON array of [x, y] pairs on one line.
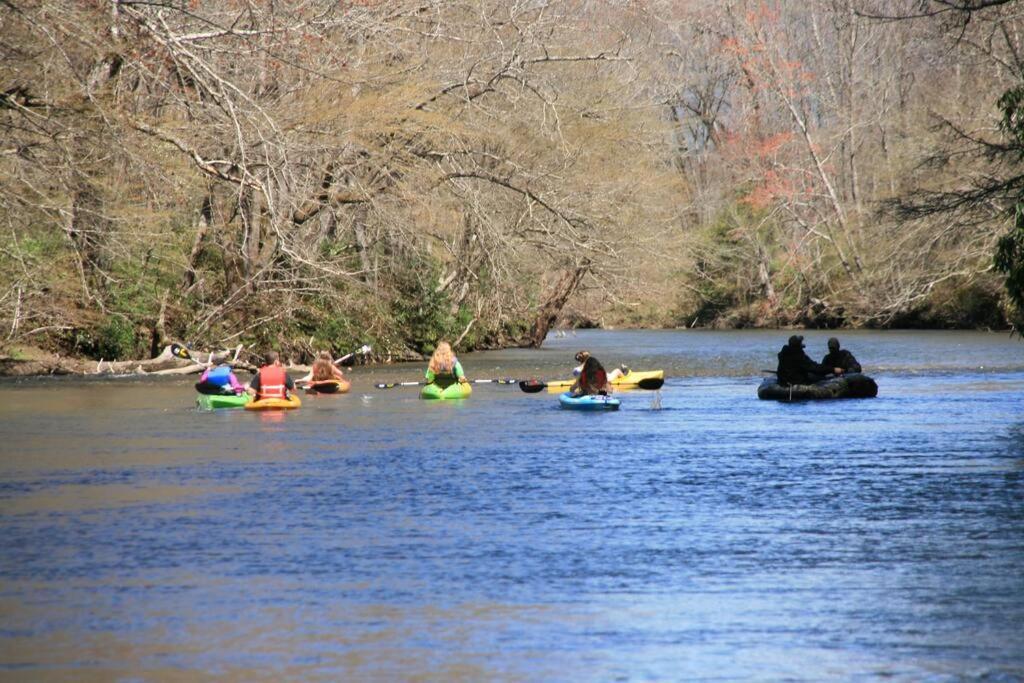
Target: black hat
[[833, 343], [797, 340]]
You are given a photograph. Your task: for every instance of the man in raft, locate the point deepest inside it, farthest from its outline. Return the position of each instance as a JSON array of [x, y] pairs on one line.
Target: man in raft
[[840, 360], [592, 377], [271, 381], [796, 367]]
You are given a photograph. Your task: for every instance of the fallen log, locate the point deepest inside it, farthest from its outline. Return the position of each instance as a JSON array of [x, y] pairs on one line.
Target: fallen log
[[167, 360], [166, 363]]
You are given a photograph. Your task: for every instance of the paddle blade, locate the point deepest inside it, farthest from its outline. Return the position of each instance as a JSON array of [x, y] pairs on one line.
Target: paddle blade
[[532, 386], [651, 383]]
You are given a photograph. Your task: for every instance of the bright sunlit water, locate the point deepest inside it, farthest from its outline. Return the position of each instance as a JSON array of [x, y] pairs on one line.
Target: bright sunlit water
[[374, 536]]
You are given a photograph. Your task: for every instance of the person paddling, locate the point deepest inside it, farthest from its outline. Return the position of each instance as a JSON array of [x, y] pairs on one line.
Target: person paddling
[[592, 378], [444, 368], [840, 360], [271, 381], [324, 370], [219, 379], [615, 374]]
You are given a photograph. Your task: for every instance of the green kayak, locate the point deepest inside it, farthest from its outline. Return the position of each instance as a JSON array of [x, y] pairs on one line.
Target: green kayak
[[212, 402], [457, 390]]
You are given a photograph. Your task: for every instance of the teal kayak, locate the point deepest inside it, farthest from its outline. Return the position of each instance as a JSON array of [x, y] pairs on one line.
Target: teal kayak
[[215, 401], [567, 400], [456, 390]]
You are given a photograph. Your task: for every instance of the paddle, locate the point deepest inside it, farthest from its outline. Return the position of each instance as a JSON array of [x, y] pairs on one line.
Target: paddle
[[362, 350], [534, 386], [180, 351], [392, 385]]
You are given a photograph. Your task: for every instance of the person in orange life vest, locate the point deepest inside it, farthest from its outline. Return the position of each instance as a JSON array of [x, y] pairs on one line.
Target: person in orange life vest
[[271, 381], [592, 378]]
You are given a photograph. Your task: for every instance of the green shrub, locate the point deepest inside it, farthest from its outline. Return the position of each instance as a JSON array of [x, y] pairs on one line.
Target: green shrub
[[116, 339]]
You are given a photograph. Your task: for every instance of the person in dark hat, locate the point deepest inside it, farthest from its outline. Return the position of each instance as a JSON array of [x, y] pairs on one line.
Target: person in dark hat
[[840, 360], [796, 367]]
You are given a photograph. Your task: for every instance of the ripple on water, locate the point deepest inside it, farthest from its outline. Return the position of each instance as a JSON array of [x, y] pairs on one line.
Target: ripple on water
[[375, 536]]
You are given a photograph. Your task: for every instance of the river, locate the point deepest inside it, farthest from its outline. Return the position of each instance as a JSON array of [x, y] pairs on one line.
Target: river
[[696, 534]]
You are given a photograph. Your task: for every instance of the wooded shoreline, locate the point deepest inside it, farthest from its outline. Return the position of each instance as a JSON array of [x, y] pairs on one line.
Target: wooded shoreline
[[319, 175]]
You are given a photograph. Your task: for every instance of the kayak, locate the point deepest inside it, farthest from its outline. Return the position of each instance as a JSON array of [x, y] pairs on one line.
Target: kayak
[[215, 401], [456, 390], [627, 381], [590, 402], [329, 386], [854, 385], [275, 403]]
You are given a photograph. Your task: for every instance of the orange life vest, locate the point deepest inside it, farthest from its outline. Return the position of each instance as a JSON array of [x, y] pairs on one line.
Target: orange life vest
[[272, 379]]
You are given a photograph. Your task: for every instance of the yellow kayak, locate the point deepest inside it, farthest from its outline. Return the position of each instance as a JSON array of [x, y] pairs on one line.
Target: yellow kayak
[[289, 403], [628, 381]]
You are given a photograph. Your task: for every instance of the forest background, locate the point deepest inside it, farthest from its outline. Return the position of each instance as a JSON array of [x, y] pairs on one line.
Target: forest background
[[309, 174]]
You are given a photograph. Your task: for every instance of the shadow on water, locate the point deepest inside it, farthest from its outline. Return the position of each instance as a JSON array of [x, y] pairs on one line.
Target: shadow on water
[[375, 536]]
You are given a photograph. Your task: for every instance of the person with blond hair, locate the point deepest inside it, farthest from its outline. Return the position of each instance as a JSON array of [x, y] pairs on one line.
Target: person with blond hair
[[444, 368]]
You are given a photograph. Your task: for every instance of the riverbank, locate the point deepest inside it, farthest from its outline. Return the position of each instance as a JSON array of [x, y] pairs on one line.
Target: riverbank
[[29, 361]]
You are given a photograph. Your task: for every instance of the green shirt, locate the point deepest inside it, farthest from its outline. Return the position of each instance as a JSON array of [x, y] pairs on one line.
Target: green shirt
[[457, 372]]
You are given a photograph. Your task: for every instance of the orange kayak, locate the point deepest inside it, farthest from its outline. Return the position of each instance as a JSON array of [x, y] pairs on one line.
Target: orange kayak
[[275, 403], [329, 386]]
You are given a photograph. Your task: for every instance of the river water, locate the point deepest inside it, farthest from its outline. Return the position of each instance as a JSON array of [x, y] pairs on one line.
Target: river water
[[697, 534]]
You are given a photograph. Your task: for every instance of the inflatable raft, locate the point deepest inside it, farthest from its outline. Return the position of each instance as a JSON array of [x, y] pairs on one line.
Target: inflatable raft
[[593, 402], [216, 401], [456, 390], [854, 385], [275, 403], [329, 386]]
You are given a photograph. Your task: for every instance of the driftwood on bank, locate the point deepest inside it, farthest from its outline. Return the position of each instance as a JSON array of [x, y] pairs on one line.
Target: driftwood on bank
[[166, 363]]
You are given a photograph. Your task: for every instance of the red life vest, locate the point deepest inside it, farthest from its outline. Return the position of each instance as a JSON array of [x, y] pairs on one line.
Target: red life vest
[[272, 379]]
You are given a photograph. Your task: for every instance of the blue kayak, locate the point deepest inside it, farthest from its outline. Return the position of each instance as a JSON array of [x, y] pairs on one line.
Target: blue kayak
[[567, 400]]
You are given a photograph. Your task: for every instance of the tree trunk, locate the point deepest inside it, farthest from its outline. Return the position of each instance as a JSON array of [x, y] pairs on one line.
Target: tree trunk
[[202, 227], [553, 305]]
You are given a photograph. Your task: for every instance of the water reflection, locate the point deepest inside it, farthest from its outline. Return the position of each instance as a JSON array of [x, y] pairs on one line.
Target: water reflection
[[374, 536]]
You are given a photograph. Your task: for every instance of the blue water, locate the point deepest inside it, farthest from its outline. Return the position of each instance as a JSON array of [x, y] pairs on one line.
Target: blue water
[[374, 536]]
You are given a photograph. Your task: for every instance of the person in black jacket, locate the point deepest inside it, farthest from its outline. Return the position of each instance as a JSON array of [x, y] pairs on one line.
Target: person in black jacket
[[840, 360], [796, 367]]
